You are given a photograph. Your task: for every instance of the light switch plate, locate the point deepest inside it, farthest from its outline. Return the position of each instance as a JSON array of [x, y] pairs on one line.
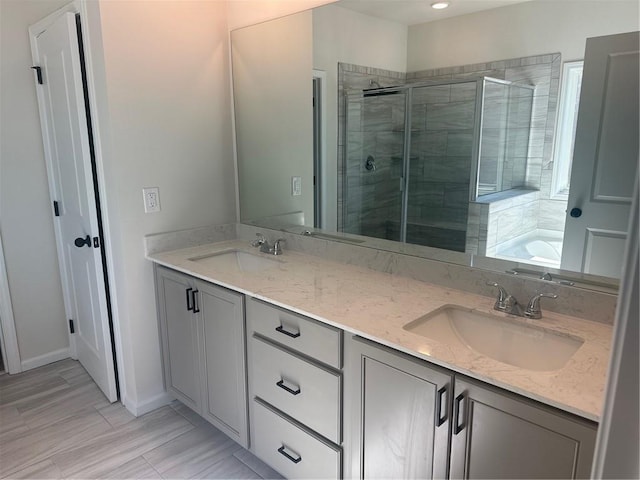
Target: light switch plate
[[151, 197], [296, 186]]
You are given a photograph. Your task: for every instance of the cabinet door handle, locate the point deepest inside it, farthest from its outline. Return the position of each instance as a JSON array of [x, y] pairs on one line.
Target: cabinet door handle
[[194, 301], [459, 426], [289, 334], [189, 297], [440, 418], [282, 385], [295, 458]]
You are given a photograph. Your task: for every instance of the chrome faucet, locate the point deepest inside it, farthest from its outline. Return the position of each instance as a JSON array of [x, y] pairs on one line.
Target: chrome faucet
[[505, 302], [277, 247], [262, 242], [265, 246], [533, 309]]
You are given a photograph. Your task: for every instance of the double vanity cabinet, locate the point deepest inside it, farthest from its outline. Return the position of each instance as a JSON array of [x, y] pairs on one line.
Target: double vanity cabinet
[[314, 401]]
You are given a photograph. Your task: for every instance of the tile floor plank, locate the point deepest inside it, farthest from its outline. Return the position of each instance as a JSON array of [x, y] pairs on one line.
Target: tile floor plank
[[229, 467], [43, 469], [116, 414], [55, 423], [42, 443], [191, 453], [257, 465], [136, 468], [103, 453]]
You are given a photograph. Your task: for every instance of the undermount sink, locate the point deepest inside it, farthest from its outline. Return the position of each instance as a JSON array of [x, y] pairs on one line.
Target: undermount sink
[[244, 261], [521, 345]]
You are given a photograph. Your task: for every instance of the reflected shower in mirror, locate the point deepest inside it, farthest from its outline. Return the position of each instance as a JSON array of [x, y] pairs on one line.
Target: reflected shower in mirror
[[414, 137]]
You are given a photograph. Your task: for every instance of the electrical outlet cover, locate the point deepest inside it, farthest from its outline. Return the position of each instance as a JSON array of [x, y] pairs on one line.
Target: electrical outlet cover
[[151, 198]]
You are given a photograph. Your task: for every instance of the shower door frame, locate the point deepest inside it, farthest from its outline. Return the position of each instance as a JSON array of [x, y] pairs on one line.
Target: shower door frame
[[406, 156]]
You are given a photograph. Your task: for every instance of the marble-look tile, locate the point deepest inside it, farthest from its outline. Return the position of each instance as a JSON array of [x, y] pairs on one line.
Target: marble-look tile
[[11, 423], [191, 453], [40, 444], [552, 214], [40, 412], [193, 418], [256, 465], [75, 374], [37, 387], [229, 467], [450, 116], [44, 469], [116, 414], [137, 468], [119, 446]]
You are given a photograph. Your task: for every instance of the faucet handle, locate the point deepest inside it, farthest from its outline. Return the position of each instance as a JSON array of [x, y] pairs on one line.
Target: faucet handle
[[258, 241], [502, 296], [505, 302], [277, 248], [533, 309]]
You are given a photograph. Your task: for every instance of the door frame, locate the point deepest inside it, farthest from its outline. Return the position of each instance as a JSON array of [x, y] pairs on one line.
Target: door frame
[[93, 62], [8, 337]]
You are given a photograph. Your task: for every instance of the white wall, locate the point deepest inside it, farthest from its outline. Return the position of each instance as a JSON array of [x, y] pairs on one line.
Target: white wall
[[272, 65], [242, 13], [341, 35], [26, 218], [168, 125], [530, 28]]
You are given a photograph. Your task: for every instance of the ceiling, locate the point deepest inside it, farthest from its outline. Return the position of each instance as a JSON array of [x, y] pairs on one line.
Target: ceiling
[[411, 12]]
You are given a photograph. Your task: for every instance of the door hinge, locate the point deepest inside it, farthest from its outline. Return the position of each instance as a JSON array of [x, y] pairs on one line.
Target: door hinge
[[56, 208], [96, 242], [38, 74], [71, 328]]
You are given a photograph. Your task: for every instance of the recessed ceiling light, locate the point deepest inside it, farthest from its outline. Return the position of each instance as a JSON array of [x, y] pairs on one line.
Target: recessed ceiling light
[[439, 5]]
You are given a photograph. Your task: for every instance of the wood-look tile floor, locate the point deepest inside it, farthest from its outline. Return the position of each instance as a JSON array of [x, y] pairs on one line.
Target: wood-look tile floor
[[56, 423]]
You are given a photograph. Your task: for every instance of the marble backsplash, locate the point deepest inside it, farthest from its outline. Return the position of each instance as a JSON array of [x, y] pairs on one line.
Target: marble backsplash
[[577, 302]]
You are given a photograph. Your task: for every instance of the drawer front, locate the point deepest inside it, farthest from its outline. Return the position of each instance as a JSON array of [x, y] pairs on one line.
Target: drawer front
[[321, 342], [289, 449], [304, 391]]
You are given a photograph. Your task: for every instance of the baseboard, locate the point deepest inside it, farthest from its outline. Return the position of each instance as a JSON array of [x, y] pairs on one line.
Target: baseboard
[[140, 408], [45, 359]]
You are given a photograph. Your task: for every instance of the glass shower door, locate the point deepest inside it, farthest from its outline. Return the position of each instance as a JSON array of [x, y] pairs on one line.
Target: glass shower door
[[440, 162], [373, 164]]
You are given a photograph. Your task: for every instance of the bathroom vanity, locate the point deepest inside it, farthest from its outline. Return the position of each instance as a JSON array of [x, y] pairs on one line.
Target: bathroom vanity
[[337, 383]]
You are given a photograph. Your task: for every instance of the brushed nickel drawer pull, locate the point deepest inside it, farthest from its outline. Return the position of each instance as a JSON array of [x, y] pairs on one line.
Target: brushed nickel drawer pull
[[295, 459], [290, 390]]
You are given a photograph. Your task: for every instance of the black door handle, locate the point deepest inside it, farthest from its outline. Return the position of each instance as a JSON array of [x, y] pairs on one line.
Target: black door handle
[[81, 242], [575, 212]]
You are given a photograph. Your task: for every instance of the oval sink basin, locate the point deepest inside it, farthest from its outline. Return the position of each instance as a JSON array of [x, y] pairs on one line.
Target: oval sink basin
[[244, 261], [517, 344]]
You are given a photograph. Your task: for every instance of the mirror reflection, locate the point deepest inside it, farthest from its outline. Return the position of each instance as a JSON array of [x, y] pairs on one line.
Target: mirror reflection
[[455, 134]]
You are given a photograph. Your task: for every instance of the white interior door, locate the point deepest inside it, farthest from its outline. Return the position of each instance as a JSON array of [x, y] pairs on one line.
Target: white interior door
[[605, 160], [65, 133]]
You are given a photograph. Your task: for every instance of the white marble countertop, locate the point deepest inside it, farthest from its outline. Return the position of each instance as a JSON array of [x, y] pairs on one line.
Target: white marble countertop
[[377, 305]]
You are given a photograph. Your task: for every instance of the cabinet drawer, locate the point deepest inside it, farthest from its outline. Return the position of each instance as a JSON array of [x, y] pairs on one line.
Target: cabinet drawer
[[321, 342], [304, 391], [289, 449]]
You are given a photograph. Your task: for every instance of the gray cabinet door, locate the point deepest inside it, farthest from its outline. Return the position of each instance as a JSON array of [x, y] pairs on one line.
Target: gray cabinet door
[[179, 332], [223, 346], [501, 435], [399, 423]]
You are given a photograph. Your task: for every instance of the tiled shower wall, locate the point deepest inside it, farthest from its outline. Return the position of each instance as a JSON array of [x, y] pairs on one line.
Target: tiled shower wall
[[543, 71], [440, 165], [369, 129]]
